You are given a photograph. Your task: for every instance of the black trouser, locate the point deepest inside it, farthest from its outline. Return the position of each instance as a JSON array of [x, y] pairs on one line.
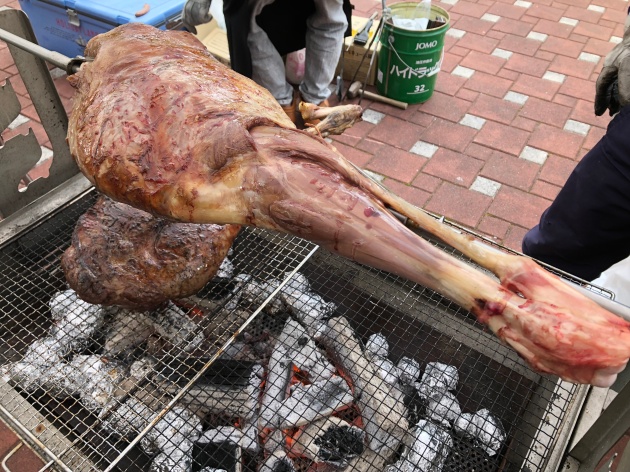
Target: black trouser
[[587, 227]]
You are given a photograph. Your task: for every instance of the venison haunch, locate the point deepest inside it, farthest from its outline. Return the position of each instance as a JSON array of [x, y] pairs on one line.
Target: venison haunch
[[159, 124], [126, 257]]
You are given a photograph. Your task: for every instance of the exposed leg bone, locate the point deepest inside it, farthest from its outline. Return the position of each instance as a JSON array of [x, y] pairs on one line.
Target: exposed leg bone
[[334, 120], [195, 142], [554, 327]]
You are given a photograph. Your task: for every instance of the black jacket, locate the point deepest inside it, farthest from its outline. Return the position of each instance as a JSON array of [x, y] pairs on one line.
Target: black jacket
[[284, 21]]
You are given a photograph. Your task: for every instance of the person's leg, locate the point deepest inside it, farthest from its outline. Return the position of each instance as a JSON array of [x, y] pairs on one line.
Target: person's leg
[[587, 227], [324, 40], [267, 64]]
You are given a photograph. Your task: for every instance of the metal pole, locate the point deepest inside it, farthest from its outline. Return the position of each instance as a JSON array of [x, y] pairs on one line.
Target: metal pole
[[612, 424], [70, 65], [53, 57]]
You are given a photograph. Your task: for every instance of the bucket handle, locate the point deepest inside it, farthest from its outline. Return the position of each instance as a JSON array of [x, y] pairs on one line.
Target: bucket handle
[[390, 39]]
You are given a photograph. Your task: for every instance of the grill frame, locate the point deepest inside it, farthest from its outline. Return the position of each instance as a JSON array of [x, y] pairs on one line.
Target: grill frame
[[556, 400]]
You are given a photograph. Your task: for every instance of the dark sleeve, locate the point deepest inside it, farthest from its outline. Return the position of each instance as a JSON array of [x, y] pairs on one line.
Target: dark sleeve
[[284, 21], [237, 14]]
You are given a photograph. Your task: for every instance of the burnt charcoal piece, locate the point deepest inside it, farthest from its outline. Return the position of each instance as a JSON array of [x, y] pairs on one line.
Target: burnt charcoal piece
[[414, 403], [215, 456], [340, 443], [225, 372], [127, 257], [277, 462], [330, 441]]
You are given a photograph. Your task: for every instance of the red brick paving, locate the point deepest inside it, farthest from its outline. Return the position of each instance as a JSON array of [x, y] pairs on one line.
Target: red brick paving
[[556, 141], [544, 189], [453, 167], [449, 135], [502, 137], [556, 170], [510, 170], [442, 183], [465, 206]]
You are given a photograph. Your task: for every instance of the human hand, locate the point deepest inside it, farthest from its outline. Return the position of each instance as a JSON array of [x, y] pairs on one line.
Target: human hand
[[196, 12], [612, 89]]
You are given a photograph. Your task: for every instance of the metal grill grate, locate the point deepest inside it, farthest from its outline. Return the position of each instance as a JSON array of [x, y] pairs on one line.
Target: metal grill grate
[[268, 350]]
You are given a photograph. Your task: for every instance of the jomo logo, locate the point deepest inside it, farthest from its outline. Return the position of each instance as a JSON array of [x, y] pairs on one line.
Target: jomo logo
[[420, 46]]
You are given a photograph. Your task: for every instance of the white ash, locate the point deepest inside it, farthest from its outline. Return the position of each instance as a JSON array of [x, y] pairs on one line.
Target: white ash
[[429, 451], [42, 366], [74, 321], [128, 419], [45, 352], [443, 407], [409, 370], [127, 330], [90, 378], [175, 459], [226, 269], [234, 350], [141, 368], [250, 430], [308, 307], [55, 378], [250, 293], [173, 437], [484, 428], [96, 380], [377, 344], [306, 355], [229, 434], [308, 403], [173, 324], [437, 377], [386, 370]]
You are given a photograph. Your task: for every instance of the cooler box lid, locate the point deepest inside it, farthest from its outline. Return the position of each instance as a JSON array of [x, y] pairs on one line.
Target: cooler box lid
[[119, 12]]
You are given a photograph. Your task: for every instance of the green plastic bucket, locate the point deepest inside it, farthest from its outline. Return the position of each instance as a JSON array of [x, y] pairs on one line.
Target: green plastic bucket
[[408, 60]]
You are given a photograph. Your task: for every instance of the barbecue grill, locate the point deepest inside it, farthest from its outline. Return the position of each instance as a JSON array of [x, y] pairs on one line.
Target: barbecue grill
[[259, 370]]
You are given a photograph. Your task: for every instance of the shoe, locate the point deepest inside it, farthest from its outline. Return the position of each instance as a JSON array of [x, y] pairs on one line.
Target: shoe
[[291, 109], [323, 104]]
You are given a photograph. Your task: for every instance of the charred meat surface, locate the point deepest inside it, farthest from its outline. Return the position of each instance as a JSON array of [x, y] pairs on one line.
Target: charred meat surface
[[126, 257], [159, 124]]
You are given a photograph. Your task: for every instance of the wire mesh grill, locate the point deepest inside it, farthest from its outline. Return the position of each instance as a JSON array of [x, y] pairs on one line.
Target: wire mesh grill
[[299, 361]]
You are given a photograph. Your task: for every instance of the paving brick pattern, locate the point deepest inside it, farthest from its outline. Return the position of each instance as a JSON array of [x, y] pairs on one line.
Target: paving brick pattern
[[515, 78], [511, 115]]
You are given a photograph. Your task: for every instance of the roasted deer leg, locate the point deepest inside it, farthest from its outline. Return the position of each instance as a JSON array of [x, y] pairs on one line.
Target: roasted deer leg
[[159, 124]]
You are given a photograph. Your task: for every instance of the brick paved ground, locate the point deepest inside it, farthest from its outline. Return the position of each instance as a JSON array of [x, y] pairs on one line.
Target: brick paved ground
[[511, 115]]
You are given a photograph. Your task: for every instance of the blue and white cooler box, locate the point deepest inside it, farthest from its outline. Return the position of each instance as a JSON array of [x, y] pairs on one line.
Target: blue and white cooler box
[[66, 26]]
